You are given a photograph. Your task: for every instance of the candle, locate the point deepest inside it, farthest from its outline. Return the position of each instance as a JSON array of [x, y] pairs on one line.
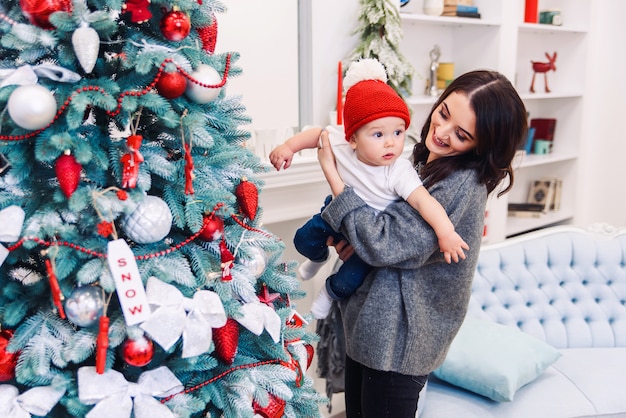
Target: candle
[[339, 94]]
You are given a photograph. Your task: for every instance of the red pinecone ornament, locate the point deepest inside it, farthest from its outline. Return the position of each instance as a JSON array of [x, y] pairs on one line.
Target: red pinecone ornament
[[248, 198], [226, 340], [208, 36], [68, 173], [7, 360], [274, 409]]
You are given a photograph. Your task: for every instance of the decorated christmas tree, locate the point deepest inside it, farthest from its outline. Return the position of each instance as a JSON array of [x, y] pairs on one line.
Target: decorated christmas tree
[[380, 33], [135, 275]]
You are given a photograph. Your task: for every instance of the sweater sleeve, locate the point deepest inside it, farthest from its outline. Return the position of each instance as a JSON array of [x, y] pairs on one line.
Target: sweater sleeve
[[399, 237]]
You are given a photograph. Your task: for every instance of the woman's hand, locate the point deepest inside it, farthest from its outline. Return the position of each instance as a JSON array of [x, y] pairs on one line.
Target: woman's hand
[[326, 158], [343, 248]]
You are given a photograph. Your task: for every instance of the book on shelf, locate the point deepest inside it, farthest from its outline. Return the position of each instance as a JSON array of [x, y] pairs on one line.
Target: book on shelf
[[460, 10], [526, 210]]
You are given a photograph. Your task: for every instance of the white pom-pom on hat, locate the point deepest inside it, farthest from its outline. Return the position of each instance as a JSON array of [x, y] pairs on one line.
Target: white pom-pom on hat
[[364, 69]]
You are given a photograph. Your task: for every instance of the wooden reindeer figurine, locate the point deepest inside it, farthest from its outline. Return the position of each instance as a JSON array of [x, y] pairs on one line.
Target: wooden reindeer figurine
[[543, 67]]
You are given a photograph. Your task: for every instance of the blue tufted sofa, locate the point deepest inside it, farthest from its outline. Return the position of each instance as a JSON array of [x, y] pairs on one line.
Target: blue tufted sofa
[[560, 294]]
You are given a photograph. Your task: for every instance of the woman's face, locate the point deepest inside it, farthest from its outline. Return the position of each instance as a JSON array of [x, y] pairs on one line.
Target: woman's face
[[452, 128]]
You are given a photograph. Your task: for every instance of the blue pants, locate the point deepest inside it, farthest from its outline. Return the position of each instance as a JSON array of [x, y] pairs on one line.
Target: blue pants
[[310, 241]]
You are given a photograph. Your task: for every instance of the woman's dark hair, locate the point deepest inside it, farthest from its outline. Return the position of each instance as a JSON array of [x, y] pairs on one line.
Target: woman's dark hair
[[501, 128]]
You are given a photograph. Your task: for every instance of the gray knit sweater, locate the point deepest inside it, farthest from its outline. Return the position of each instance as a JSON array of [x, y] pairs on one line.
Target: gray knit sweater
[[406, 313]]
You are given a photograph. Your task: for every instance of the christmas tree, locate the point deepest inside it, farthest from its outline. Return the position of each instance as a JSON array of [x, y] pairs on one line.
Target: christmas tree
[[380, 33], [135, 275]]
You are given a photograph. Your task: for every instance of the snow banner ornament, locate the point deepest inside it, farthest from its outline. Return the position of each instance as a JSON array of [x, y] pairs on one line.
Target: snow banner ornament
[[37, 401], [130, 291], [176, 315], [113, 396]]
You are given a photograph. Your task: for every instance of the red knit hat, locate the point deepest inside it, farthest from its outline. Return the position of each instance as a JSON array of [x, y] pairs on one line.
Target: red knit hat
[[369, 97]]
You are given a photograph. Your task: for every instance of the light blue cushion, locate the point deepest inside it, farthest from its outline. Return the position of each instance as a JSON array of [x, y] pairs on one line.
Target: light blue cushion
[[494, 360]]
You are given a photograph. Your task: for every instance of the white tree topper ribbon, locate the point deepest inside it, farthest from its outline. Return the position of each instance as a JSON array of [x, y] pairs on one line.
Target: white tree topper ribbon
[[175, 315], [258, 316], [37, 401], [113, 396], [128, 284], [29, 74], [11, 221]]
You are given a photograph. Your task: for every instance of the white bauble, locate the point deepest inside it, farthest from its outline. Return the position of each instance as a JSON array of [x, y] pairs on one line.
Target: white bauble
[[85, 305], [32, 107], [150, 222], [257, 261], [204, 74]]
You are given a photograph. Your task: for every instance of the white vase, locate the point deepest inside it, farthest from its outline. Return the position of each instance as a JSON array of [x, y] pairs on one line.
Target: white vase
[[433, 7]]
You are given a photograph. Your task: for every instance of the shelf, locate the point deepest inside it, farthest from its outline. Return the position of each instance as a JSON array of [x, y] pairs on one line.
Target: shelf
[[421, 100], [543, 28], [551, 96], [523, 160], [519, 225], [447, 21]]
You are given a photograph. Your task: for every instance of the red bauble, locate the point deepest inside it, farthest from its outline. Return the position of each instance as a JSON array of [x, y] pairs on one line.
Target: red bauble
[[7, 360], [175, 25], [213, 228], [274, 409], [248, 198], [171, 85], [226, 340], [39, 11], [68, 173], [138, 352]]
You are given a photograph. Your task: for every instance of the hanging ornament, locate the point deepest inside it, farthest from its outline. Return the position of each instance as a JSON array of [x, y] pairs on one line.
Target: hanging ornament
[[150, 222], [175, 25], [207, 75], [227, 261], [85, 305], [256, 263], [131, 161], [138, 9], [226, 340], [68, 173], [267, 297], [247, 197], [86, 43], [138, 352], [213, 228], [32, 107], [208, 36], [274, 409], [171, 85], [7, 360], [38, 11], [102, 344], [55, 289]]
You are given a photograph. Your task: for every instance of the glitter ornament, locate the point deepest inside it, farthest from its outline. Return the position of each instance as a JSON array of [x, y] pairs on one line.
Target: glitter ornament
[[274, 409], [213, 228], [138, 352], [226, 340], [85, 305], [38, 11], [208, 36], [68, 173], [248, 198], [207, 75], [7, 360], [175, 25], [171, 85], [86, 43], [32, 107], [150, 222]]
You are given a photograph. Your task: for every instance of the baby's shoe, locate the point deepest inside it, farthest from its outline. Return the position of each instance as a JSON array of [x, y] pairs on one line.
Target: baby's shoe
[[309, 268]]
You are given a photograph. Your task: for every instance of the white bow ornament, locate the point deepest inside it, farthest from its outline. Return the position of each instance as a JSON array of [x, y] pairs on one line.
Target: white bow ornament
[[37, 401], [175, 315], [11, 221], [258, 316], [29, 74], [113, 396]]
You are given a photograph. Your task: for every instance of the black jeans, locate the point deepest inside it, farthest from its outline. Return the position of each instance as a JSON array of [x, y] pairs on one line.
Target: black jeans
[[376, 394]]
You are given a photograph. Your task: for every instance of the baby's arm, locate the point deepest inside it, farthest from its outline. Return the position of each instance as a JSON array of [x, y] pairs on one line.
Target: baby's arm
[[450, 243], [282, 155]]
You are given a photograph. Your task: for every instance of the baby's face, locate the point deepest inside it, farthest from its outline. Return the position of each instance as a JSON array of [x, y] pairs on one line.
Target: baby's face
[[379, 142]]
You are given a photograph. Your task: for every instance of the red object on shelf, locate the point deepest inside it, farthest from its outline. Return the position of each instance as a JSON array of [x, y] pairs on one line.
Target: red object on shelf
[[531, 11]]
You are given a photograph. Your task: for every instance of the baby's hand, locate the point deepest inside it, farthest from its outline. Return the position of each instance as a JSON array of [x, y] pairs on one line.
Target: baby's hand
[[281, 156], [452, 246]]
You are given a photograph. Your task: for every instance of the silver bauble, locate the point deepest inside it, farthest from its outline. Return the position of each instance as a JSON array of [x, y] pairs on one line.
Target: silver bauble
[[85, 305], [150, 222]]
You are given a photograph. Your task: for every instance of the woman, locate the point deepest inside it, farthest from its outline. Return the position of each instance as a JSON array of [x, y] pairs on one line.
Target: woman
[[400, 322]]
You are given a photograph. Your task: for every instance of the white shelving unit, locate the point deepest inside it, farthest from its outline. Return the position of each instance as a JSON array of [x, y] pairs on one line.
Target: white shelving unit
[[500, 40]]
